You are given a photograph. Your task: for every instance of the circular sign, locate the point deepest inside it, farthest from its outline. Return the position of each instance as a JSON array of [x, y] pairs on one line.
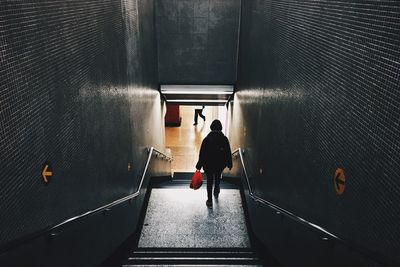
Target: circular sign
[[339, 181]]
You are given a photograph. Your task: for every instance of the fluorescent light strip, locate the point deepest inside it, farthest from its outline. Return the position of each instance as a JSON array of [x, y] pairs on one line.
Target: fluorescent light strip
[[196, 101], [196, 92], [197, 87]]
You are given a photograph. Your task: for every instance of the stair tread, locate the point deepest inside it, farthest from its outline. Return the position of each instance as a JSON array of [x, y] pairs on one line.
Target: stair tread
[[190, 265], [193, 257], [178, 183], [233, 253], [194, 261], [217, 249], [196, 258]]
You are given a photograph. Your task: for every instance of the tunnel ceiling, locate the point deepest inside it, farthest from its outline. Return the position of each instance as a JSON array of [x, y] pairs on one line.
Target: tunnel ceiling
[[197, 41]]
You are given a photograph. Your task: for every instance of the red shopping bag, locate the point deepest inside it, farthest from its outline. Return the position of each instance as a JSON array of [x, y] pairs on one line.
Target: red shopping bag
[[197, 180]]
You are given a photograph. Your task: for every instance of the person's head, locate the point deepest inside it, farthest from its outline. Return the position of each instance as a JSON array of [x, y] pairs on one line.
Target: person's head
[[216, 126]]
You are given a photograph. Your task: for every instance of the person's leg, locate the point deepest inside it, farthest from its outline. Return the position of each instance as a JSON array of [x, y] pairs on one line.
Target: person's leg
[[196, 114], [201, 115], [217, 181], [210, 179]]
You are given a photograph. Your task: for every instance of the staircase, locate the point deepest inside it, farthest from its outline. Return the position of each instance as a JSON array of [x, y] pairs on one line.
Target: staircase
[[150, 252], [193, 257]]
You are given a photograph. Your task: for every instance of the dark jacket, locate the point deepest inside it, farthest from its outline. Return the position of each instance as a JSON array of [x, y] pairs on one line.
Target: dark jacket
[[215, 153]]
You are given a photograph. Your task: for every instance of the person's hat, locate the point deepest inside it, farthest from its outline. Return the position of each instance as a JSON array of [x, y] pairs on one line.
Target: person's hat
[[216, 126]]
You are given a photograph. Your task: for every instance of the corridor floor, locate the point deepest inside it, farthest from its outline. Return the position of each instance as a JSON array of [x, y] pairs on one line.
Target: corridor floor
[[180, 218], [184, 141]]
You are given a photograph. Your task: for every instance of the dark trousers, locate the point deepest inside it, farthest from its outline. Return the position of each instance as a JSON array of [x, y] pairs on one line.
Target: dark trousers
[[197, 113], [211, 176]]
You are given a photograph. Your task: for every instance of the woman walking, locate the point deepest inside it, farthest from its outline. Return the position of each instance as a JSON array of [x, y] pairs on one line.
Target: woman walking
[[215, 155]]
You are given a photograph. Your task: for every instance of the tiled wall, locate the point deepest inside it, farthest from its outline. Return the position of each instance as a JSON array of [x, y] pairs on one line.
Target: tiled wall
[[197, 41], [318, 90], [78, 89]]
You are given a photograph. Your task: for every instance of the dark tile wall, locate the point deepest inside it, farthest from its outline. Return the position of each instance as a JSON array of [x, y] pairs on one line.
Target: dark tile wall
[[197, 41], [318, 89], [78, 89]]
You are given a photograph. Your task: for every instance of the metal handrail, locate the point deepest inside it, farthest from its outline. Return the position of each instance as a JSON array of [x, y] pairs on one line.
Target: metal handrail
[[118, 201], [275, 207], [281, 211], [106, 207]]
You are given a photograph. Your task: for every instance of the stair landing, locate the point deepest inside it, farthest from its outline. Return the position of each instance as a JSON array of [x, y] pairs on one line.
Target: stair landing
[[179, 218]]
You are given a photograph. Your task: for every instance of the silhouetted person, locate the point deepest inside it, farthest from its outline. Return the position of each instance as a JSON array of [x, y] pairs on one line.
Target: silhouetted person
[[198, 112], [215, 155]]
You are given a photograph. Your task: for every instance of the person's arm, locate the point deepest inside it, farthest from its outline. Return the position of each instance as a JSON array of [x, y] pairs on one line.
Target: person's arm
[[229, 154], [202, 155]]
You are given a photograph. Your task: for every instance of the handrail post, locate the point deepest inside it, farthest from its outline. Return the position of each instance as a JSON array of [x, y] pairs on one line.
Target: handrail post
[[245, 171], [151, 149]]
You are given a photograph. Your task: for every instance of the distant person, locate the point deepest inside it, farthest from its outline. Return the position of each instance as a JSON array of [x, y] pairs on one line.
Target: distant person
[[215, 155], [198, 112]]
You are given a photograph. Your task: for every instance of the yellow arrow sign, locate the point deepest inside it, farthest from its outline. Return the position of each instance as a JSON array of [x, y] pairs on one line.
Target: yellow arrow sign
[[46, 173]]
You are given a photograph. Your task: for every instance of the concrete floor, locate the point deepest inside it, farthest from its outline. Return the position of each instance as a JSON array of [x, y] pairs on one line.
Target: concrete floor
[[180, 218]]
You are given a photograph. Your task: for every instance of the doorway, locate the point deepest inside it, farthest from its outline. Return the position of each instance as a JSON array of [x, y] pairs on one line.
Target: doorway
[[185, 141]]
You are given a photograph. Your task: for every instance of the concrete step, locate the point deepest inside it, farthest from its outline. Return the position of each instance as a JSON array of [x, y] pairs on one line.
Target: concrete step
[[193, 257]]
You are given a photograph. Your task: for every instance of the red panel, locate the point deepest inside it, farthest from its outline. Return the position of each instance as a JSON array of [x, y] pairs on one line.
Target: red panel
[[172, 117]]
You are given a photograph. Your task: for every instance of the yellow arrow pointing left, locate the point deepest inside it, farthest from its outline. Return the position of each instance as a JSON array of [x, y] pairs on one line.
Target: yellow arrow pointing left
[[46, 173]]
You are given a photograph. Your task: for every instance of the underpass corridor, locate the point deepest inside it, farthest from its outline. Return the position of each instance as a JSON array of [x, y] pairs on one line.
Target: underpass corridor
[[98, 138]]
